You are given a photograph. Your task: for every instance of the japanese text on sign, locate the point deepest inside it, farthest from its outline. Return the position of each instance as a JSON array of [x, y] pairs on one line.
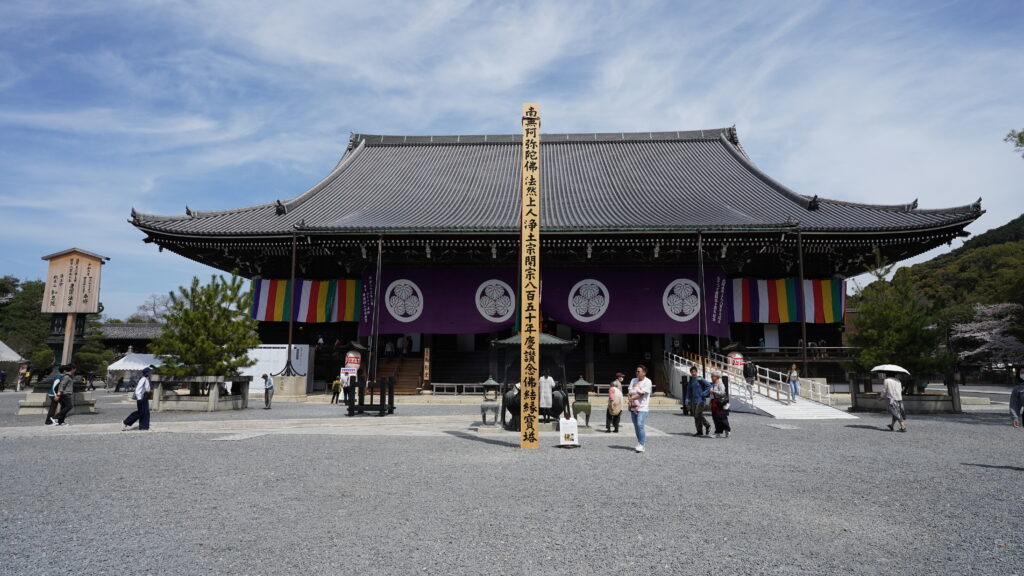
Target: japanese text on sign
[[529, 277]]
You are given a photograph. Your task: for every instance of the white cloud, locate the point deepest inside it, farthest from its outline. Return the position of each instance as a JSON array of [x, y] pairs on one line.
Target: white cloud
[[225, 104]]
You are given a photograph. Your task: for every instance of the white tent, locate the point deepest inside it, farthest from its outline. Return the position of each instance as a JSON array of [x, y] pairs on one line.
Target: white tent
[[8, 355], [134, 362], [271, 359]]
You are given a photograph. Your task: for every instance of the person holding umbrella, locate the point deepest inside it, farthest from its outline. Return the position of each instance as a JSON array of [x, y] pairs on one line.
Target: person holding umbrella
[[892, 389]]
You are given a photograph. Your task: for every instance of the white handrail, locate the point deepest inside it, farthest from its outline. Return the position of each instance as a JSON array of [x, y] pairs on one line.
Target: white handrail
[[776, 383]]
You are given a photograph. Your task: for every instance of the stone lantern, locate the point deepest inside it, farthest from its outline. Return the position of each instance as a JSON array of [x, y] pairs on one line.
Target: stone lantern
[[581, 398], [490, 402]]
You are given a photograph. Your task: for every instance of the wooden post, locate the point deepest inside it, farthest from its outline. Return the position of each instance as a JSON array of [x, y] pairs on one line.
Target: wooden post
[[69, 338], [529, 278]]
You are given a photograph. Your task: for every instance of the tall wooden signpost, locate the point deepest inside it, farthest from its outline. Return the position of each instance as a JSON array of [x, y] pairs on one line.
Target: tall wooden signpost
[[529, 278], [72, 288]]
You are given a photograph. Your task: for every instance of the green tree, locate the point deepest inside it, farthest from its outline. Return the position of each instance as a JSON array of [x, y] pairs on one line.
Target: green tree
[[896, 325], [1016, 137], [92, 355], [207, 330], [22, 326], [42, 360], [8, 285]]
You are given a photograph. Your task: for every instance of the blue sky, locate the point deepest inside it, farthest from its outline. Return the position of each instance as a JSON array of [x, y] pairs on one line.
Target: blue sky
[[110, 105]]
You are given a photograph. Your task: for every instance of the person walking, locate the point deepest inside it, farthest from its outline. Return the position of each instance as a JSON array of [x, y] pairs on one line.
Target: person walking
[[794, 382], [892, 390], [719, 411], [3, 380], [546, 385], [268, 390], [614, 412], [1017, 400], [141, 395], [750, 374], [335, 390], [51, 393], [697, 391], [640, 388], [66, 394]]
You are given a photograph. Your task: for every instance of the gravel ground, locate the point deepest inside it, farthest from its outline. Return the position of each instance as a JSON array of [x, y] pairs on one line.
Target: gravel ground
[[779, 497]]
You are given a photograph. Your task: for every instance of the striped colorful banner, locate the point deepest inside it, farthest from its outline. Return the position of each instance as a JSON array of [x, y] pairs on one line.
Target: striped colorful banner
[[315, 300], [777, 301], [824, 300]]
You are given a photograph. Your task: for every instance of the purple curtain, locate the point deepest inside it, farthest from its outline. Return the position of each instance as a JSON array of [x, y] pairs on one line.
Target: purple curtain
[[609, 300]]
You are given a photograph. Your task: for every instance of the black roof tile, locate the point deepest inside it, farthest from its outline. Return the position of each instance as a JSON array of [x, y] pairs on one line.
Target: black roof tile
[[647, 181]]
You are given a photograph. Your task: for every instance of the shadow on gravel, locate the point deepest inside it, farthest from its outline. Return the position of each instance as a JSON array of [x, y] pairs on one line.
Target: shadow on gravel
[[1017, 468], [867, 427], [475, 438], [629, 448]]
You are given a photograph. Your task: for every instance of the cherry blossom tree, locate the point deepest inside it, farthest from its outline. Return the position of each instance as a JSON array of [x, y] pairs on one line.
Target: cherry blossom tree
[[989, 337]]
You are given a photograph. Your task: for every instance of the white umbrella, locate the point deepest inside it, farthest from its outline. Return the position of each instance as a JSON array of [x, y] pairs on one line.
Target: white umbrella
[[889, 368]]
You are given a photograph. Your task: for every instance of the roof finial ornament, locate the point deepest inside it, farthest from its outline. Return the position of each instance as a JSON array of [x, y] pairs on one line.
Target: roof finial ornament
[[280, 208], [733, 136], [188, 211], [813, 203], [976, 205], [135, 215]]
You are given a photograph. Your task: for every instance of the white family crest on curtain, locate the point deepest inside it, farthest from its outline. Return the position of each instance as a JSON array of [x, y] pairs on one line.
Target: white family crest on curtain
[[681, 299], [588, 300], [404, 300], [494, 300]]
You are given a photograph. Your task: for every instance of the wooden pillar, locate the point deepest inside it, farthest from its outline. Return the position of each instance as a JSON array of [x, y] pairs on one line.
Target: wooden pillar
[[588, 357]]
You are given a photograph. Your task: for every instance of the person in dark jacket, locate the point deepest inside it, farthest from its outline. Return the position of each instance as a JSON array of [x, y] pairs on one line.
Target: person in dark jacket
[[697, 391], [51, 413], [66, 394], [750, 375], [1017, 400]]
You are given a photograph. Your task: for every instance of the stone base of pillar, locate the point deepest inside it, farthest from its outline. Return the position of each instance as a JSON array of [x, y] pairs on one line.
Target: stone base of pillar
[[39, 403], [290, 388]]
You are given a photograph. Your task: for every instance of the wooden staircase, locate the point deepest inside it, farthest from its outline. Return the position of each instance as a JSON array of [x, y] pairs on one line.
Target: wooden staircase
[[407, 371]]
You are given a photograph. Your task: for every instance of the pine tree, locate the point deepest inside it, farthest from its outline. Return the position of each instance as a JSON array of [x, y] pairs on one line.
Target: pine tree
[[92, 356], [23, 326], [895, 325], [207, 330]]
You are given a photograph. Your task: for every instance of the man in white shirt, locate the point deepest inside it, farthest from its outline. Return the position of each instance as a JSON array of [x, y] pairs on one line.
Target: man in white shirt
[[141, 394], [268, 390], [893, 390]]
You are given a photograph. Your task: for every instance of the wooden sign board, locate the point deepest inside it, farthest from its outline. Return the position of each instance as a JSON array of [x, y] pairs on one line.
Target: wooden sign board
[[73, 282], [529, 279]]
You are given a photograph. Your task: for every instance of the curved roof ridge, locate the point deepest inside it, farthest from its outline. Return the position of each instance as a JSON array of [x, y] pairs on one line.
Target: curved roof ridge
[[909, 207], [546, 138], [193, 214], [346, 159], [772, 183], [287, 204]]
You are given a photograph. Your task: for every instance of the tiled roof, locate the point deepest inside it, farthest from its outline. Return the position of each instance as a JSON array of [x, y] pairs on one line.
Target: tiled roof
[[651, 181], [131, 331]]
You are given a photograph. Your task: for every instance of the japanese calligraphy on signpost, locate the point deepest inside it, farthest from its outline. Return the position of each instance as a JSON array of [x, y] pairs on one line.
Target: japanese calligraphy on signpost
[[529, 277]]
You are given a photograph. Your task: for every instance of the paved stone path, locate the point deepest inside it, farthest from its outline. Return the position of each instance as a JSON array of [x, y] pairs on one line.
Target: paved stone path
[[301, 489]]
